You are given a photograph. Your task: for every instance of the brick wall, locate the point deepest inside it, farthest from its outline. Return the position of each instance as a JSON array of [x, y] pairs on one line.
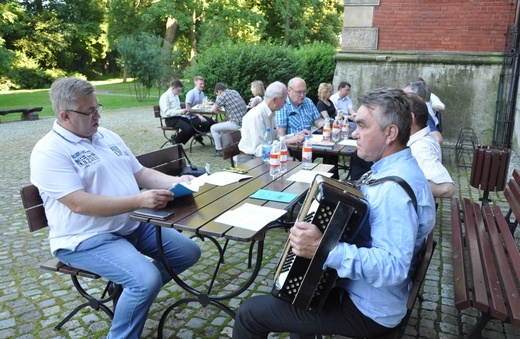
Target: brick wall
[[442, 25]]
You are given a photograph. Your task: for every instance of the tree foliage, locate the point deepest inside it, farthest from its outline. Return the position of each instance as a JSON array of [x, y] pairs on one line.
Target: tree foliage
[[143, 60], [83, 36]]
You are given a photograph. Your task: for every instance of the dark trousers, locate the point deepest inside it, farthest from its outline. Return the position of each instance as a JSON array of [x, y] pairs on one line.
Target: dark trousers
[[186, 126], [261, 315]]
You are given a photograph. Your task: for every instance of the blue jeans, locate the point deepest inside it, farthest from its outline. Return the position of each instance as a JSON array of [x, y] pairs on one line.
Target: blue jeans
[[121, 259]]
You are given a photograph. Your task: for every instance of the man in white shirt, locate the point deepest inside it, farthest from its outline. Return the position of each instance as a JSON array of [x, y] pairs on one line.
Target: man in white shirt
[[259, 118], [427, 151], [89, 182], [423, 91], [343, 103], [175, 116], [341, 100]]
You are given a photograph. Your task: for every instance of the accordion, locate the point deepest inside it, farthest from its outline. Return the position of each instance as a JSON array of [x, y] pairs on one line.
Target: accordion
[[338, 209]]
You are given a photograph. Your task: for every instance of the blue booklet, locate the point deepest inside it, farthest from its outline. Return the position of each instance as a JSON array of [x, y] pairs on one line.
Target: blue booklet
[[273, 196], [180, 190]]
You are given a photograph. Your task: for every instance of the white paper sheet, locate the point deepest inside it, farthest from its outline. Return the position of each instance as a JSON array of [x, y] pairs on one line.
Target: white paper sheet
[[225, 178], [348, 142], [250, 217], [307, 176]]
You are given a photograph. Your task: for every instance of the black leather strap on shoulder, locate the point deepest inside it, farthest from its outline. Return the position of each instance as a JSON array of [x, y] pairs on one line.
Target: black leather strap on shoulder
[[365, 180], [404, 185]]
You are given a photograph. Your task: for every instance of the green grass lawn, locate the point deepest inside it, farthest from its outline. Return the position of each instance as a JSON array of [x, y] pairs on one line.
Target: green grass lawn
[[113, 94]]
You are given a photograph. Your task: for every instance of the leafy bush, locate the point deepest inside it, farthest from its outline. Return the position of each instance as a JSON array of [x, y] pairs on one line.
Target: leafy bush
[[318, 66], [237, 65], [29, 78], [143, 59]]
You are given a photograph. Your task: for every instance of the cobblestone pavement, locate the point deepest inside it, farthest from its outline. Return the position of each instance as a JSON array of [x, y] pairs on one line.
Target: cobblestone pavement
[[33, 301]]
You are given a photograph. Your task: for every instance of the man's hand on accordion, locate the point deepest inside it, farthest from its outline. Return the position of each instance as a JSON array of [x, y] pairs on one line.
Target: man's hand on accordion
[[304, 239]]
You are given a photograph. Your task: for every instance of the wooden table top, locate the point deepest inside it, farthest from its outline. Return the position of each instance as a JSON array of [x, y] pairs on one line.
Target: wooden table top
[[196, 213]]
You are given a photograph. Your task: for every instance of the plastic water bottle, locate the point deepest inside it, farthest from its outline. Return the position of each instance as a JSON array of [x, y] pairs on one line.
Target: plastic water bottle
[[274, 160], [336, 130], [266, 145], [283, 155], [345, 129], [307, 153], [326, 130]]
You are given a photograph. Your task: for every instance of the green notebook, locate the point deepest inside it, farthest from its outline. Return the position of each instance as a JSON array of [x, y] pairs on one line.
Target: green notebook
[[273, 196]]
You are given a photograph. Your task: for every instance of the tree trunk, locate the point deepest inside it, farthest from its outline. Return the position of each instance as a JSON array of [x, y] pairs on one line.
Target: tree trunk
[[170, 35], [193, 37], [287, 22]]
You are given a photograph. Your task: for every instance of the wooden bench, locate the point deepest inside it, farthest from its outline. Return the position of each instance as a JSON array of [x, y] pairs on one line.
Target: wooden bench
[[486, 260], [167, 160], [28, 113], [417, 281]]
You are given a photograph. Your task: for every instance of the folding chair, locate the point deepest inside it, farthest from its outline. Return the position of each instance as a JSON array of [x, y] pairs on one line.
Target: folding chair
[[36, 219], [164, 128], [230, 142]]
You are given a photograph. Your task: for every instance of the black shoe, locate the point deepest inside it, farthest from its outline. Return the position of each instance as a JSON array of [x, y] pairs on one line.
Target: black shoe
[[217, 154], [200, 141]]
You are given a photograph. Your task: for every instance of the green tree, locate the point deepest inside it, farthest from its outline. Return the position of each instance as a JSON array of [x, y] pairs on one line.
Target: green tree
[[143, 60]]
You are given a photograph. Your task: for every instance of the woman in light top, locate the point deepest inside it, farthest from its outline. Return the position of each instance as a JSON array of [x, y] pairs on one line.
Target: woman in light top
[[324, 105], [258, 90]]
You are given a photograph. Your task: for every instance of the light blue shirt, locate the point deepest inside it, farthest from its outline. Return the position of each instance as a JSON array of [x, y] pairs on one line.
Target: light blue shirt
[[296, 119], [194, 97], [378, 264]]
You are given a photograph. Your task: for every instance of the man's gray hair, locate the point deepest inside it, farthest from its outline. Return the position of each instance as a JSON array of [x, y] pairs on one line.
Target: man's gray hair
[[394, 107], [275, 90], [65, 92], [420, 88]]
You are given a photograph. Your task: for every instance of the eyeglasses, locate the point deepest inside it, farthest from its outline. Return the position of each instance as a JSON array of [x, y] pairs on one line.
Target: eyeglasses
[[98, 109], [300, 93]]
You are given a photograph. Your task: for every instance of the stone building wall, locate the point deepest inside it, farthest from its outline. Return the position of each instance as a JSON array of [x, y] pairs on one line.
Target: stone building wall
[[456, 46]]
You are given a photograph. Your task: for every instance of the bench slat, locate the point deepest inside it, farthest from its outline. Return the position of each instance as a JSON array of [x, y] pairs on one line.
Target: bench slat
[[480, 300], [462, 300], [509, 250], [497, 306]]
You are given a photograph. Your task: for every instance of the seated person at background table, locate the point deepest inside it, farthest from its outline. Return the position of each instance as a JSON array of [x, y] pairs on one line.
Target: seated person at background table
[[298, 115], [258, 91], [324, 105], [231, 102], [175, 116], [423, 91], [196, 95], [89, 182], [375, 271], [343, 103], [299, 112], [427, 151], [258, 119]]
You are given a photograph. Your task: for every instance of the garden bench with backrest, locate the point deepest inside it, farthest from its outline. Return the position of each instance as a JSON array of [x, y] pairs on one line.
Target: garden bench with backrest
[[486, 260]]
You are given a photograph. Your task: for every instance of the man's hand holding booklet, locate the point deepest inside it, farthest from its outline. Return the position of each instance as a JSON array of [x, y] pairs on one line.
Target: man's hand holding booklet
[[181, 189]]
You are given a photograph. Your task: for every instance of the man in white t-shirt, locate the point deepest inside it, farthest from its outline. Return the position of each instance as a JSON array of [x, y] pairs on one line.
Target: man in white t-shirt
[[89, 182]]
